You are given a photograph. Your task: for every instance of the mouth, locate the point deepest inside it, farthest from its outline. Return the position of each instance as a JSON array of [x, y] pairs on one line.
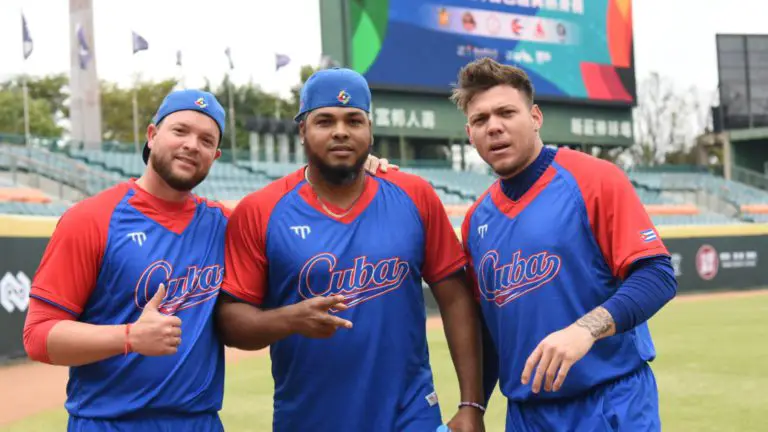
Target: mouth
[[186, 161], [499, 147], [342, 150]]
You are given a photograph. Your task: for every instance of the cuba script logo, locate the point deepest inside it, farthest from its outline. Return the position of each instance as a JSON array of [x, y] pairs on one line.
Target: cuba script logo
[[197, 285], [503, 283], [362, 282]]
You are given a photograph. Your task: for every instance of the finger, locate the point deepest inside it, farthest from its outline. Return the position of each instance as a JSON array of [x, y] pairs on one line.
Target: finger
[[541, 369], [340, 322], [172, 332], [157, 299], [561, 374], [552, 371], [341, 307], [530, 364], [383, 165], [174, 321], [330, 301]]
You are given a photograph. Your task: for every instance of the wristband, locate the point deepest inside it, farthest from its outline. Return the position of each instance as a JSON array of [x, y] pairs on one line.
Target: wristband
[[473, 405], [128, 347]]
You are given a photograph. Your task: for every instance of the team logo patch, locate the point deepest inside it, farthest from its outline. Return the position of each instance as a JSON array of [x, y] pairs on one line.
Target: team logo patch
[[195, 286], [363, 281], [343, 97], [648, 235], [502, 283], [201, 103]]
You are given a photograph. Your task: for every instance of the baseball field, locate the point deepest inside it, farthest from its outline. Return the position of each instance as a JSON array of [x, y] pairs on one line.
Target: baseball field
[[712, 374]]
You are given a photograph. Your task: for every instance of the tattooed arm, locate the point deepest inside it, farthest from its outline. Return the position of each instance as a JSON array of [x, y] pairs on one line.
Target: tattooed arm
[[599, 322]]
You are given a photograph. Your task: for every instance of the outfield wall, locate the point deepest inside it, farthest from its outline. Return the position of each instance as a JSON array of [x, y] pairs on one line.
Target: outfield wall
[[706, 258]]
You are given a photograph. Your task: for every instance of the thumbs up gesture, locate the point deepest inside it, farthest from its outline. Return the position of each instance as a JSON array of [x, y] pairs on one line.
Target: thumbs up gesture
[[155, 334]]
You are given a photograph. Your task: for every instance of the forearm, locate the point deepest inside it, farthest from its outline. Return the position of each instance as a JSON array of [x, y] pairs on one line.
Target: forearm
[[462, 331], [73, 343], [650, 285], [247, 327], [490, 364]]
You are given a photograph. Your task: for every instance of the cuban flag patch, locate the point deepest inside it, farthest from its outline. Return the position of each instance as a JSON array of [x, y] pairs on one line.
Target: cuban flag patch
[[648, 235]]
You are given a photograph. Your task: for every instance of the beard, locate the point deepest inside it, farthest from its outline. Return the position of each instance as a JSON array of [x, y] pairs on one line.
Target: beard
[[162, 165], [338, 175]]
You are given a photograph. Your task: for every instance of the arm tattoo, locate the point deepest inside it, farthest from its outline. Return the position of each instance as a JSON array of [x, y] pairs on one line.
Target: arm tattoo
[[598, 322]]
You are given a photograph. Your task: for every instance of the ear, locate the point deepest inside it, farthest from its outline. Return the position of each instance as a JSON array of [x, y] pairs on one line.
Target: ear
[[469, 135], [538, 117], [218, 154], [302, 130], [151, 132]]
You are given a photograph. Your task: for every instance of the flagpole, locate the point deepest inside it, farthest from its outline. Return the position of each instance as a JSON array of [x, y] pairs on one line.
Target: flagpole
[[135, 104], [232, 131], [25, 89], [27, 136]]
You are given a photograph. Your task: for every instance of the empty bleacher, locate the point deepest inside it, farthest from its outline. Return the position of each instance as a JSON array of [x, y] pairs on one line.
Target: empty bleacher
[[95, 170]]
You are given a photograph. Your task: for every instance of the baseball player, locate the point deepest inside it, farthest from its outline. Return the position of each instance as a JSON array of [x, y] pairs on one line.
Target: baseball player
[[126, 289], [567, 266], [326, 265]]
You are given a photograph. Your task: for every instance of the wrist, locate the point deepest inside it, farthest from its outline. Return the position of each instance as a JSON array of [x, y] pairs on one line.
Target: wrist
[[128, 346], [474, 406]]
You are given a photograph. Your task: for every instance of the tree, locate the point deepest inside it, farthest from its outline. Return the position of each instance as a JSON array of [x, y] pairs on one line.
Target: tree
[[117, 108], [41, 122], [658, 118], [51, 88]]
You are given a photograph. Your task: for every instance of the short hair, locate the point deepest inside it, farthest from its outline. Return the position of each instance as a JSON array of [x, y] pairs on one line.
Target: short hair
[[483, 74]]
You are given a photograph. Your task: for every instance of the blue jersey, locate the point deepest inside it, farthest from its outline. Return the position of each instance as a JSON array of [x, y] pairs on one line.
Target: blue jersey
[[282, 248], [104, 262], [541, 263]]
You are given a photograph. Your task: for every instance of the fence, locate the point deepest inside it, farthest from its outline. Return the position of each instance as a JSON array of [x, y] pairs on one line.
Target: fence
[[706, 258]]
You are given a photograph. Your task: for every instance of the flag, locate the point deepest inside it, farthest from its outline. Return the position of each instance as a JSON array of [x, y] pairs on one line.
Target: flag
[[229, 57], [28, 45], [281, 60], [139, 43], [178, 58], [84, 52]]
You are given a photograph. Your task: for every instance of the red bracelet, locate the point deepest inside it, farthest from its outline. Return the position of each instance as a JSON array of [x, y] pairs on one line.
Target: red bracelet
[[473, 405], [128, 347]]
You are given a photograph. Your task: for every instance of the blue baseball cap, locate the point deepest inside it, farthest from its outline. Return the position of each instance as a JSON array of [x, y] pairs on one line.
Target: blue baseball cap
[[194, 100], [335, 87]]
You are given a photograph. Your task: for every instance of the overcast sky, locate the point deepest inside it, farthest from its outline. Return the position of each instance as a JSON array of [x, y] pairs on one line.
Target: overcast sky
[[675, 38]]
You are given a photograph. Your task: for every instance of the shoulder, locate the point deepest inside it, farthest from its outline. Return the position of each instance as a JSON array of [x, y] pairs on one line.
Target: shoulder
[[264, 200], [97, 208], [587, 168], [226, 210], [406, 181]]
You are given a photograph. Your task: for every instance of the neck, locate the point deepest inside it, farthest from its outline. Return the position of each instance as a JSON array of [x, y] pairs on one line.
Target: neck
[[516, 186], [157, 187], [535, 154], [340, 195]]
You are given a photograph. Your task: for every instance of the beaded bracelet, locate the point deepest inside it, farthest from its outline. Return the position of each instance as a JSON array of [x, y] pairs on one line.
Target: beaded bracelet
[[472, 404]]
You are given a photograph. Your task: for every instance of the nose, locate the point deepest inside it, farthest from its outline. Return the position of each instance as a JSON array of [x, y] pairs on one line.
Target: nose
[[340, 132], [192, 143], [494, 126]]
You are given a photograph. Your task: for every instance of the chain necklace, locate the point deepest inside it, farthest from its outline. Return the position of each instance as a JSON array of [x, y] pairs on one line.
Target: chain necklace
[[322, 204]]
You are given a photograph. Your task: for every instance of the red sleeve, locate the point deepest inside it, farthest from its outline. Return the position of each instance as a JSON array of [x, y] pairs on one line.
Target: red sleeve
[[246, 264], [72, 259], [41, 317], [444, 255], [622, 227], [465, 244]]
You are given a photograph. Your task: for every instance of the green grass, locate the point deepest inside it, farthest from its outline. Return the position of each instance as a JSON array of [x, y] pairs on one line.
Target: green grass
[[712, 373]]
